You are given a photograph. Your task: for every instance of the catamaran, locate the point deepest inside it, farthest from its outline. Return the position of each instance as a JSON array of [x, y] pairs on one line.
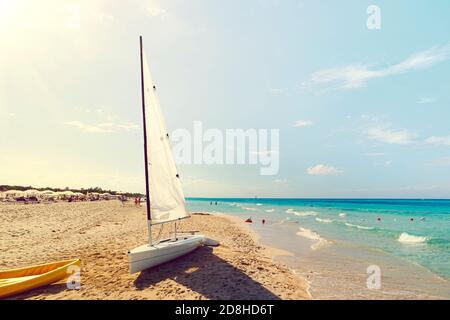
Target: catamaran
[[164, 193]]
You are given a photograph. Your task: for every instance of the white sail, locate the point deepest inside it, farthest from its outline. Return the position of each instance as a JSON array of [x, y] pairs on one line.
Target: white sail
[[166, 194]]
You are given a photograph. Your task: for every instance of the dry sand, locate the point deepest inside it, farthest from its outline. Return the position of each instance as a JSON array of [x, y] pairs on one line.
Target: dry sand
[[101, 233]]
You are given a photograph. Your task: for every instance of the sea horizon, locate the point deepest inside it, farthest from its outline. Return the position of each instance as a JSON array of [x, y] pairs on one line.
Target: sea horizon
[[315, 198]]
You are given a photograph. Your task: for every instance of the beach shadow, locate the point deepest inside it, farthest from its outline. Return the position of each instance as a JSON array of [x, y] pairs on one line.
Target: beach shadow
[[45, 290], [207, 274]]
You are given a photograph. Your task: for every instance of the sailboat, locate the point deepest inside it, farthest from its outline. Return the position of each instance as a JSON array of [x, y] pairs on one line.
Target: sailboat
[[164, 193]]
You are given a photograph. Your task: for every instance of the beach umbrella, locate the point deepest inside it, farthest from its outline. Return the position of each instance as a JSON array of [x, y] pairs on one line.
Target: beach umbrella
[[31, 192], [48, 192], [60, 194], [14, 193]]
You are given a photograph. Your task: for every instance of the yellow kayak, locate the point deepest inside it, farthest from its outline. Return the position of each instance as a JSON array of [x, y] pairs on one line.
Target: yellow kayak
[[23, 279]]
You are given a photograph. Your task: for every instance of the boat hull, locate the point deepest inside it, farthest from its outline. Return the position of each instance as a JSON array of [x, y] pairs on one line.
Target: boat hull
[[16, 281], [146, 256]]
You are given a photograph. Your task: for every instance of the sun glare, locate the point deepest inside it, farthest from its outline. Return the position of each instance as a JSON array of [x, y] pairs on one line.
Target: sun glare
[[4, 5], [6, 10]]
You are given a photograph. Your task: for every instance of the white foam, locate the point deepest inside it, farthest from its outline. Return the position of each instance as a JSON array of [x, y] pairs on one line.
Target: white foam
[[251, 209], [288, 220], [342, 214], [324, 220], [301, 213], [309, 234], [259, 204], [270, 210], [408, 238], [319, 242], [358, 226]]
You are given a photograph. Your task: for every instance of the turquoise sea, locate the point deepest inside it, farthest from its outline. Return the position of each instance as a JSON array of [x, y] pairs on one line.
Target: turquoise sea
[[415, 230]]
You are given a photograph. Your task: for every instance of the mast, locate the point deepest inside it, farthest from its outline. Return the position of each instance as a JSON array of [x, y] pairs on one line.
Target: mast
[[147, 187]]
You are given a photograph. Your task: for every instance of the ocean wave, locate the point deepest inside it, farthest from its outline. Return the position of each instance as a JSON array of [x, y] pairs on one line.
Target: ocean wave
[[270, 210], [251, 209], [319, 242], [409, 238], [301, 213], [259, 204], [288, 220], [324, 220], [358, 226], [342, 214]]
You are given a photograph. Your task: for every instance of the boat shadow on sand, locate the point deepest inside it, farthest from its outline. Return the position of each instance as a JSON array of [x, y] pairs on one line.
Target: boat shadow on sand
[[41, 291], [205, 273]]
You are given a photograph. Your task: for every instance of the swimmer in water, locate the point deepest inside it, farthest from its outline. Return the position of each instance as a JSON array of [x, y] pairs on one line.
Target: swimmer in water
[[411, 219], [378, 219]]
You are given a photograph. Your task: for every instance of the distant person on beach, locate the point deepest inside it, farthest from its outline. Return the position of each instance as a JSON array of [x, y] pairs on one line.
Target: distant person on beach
[[263, 221]]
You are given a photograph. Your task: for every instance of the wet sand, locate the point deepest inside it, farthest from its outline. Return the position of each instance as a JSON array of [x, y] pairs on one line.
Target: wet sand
[[101, 233]]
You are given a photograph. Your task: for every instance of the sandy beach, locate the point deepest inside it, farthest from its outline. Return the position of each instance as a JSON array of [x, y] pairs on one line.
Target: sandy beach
[[100, 234]]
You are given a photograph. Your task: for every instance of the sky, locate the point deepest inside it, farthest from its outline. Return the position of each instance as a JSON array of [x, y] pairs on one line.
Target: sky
[[361, 112]]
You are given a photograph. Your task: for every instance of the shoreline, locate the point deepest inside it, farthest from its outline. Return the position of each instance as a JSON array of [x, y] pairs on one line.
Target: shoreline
[[274, 253], [338, 270], [100, 233], [338, 267]]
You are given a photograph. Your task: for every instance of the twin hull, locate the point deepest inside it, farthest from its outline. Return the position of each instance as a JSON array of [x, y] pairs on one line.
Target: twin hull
[[146, 256]]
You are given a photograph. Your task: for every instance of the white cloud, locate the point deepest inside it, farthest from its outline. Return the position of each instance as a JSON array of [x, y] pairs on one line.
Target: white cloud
[[264, 152], [357, 75], [128, 126], [105, 127], [322, 169], [157, 12], [386, 163], [87, 127], [438, 141], [426, 100], [281, 181], [303, 123], [391, 136], [375, 154]]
